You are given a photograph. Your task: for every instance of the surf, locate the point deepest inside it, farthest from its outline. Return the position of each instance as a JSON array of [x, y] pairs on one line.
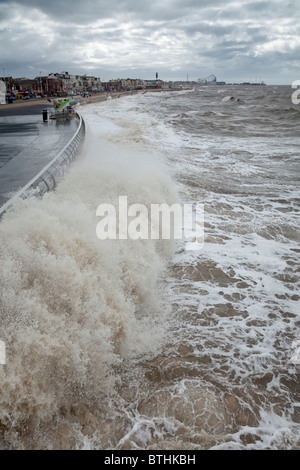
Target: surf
[[73, 307]]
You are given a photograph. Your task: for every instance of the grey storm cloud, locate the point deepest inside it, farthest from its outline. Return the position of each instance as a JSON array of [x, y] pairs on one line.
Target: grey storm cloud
[[235, 39]]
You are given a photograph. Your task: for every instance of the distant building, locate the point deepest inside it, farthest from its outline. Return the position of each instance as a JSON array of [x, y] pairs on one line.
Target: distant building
[[63, 84], [210, 80], [154, 84], [51, 85], [74, 84], [22, 86]]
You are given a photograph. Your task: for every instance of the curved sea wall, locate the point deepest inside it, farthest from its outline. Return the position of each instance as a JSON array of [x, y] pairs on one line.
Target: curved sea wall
[[48, 177]]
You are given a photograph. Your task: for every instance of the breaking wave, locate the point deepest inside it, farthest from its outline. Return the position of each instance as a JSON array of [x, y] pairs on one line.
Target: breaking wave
[[73, 308]]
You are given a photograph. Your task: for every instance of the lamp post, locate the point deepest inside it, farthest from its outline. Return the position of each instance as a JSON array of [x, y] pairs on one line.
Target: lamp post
[[4, 79], [40, 87]]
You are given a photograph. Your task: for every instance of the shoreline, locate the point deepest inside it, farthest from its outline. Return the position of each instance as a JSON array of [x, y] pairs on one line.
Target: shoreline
[[82, 100]]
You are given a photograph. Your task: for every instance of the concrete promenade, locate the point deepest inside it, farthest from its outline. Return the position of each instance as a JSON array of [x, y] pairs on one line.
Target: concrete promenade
[[27, 143]]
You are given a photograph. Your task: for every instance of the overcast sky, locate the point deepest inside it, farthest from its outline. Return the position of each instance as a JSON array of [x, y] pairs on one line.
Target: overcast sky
[[237, 40]]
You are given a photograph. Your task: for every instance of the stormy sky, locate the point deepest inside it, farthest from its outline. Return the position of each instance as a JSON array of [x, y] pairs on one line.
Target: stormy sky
[[237, 40]]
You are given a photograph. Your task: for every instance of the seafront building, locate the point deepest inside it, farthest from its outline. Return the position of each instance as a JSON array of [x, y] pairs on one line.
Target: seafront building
[[54, 84], [62, 84], [65, 84]]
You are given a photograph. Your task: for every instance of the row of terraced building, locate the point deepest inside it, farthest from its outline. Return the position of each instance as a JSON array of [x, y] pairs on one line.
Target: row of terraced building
[[62, 84]]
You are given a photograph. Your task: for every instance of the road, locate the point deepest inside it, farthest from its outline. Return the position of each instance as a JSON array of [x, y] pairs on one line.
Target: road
[[25, 108]]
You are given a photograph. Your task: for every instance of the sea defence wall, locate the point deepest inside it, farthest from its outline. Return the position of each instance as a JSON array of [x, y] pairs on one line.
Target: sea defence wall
[[48, 177]]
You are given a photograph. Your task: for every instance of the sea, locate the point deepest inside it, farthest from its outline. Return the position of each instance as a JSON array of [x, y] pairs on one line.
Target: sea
[[144, 344]]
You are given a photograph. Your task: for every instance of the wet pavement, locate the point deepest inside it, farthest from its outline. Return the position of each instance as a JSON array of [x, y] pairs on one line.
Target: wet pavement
[[27, 144]]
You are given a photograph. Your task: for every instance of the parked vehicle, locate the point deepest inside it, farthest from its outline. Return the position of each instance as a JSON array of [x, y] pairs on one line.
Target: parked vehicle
[[11, 98]]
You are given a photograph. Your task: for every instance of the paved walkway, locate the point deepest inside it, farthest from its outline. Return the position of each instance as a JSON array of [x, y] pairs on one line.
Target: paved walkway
[[27, 144]]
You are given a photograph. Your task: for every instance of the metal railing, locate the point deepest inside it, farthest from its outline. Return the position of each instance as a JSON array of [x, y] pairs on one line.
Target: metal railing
[[47, 178]]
